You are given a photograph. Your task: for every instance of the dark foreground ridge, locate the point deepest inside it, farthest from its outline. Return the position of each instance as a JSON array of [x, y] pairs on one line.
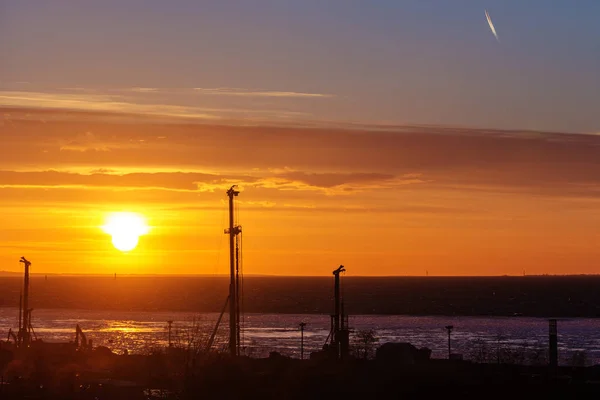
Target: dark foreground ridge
[[100, 374], [535, 296]]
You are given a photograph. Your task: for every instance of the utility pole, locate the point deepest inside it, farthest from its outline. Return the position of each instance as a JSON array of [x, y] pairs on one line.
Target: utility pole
[[302, 325], [233, 231], [170, 324], [449, 329], [553, 345]]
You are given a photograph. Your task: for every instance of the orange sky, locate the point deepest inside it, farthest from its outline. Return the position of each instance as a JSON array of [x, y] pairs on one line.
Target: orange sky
[[395, 201]]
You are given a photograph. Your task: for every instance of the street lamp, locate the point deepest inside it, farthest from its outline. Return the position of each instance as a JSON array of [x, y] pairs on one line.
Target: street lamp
[[170, 324], [302, 325], [449, 329]]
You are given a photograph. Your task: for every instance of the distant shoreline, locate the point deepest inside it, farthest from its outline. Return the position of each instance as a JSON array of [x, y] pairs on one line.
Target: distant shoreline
[[572, 296], [323, 314]]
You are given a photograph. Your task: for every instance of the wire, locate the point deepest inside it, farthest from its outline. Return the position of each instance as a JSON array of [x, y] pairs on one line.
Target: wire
[[241, 275], [220, 247], [242, 287], [343, 290]]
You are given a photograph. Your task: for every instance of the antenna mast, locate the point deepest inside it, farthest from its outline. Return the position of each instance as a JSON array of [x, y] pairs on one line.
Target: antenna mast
[[233, 231]]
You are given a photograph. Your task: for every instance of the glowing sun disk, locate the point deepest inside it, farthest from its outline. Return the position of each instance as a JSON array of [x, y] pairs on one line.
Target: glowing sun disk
[[125, 229]]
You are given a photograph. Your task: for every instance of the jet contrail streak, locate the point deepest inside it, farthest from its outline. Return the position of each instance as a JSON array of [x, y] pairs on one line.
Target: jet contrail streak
[[491, 24]]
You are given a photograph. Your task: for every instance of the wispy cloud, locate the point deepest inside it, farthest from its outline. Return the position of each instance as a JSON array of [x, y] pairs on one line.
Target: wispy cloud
[[76, 89], [89, 187], [144, 90], [257, 93], [220, 91], [319, 161], [328, 184], [94, 102], [119, 104], [90, 142]]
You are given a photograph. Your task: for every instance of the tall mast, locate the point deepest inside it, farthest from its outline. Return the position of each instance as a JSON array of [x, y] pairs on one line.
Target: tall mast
[[336, 296], [233, 230], [237, 293], [25, 320], [19, 336], [338, 317]]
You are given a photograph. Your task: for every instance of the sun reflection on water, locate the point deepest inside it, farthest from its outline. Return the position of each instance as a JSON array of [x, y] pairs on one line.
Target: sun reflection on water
[[139, 332]]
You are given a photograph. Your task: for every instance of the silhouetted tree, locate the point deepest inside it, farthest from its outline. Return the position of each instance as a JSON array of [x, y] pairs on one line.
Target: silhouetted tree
[[480, 352], [525, 353], [364, 342], [579, 359]]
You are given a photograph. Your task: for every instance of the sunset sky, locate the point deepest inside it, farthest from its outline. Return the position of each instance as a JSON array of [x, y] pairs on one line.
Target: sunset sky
[[394, 137]]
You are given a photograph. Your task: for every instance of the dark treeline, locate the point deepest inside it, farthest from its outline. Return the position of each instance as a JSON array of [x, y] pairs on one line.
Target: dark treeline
[[541, 296]]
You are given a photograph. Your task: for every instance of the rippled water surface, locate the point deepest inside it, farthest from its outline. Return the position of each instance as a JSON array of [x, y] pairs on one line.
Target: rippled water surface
[[138, 331]]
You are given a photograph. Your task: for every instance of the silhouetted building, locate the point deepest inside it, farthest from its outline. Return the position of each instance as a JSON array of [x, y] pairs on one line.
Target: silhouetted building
[[402, 353]]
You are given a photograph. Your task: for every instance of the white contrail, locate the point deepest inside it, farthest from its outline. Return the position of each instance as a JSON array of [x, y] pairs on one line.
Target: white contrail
[[491, 24]]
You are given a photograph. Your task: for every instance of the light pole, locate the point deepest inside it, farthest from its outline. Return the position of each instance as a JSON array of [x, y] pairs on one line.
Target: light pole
[[302, 325], [498, 348], [170, 323], [449, 329]]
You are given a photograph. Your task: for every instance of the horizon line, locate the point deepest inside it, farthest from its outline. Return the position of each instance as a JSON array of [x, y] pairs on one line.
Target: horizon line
[[200, 275]]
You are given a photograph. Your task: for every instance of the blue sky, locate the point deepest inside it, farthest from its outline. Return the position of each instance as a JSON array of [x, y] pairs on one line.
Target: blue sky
[[401, 62]]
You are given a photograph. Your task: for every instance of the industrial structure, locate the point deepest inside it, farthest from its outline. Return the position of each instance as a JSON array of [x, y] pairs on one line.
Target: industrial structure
[[25, 329], [337, 343], [25, 337], [234, 274], [235, 282]]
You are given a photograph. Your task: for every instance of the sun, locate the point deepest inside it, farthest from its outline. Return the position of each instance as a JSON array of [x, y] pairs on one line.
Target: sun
[[125, 229]]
